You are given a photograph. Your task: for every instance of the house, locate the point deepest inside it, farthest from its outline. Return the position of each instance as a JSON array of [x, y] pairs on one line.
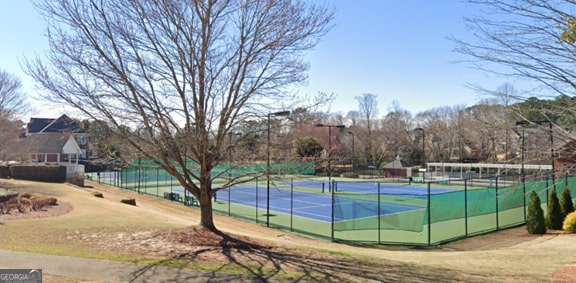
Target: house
[[63, 124], [48, 149], [565, 160]]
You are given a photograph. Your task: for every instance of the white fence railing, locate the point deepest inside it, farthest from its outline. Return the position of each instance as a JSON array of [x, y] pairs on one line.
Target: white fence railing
[[74, 169]]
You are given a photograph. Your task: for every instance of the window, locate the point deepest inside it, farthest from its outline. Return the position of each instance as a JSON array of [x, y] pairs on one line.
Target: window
[[81, 140]]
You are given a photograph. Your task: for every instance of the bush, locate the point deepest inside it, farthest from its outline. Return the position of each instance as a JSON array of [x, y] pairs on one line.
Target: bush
[[4, 171], [25, 205], [566, 205], [570, 222], [554, 216], [535, 218], [25, 195], [39, 202], [15, 202]]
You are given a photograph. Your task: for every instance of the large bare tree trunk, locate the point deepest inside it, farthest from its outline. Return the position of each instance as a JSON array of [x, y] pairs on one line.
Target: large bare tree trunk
[[205, 200], [206, 216]]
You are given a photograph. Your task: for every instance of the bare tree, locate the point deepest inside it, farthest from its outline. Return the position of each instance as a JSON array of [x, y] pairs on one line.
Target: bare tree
[[526, 40], [13, 105], [438, 137], [394, 135], [352, 117], [183, 73], [368, 113], [505, 94], [489, 130], [13, 102]]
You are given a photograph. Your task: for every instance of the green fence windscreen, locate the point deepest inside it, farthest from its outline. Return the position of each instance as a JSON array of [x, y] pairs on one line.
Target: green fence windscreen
[[359, 210]]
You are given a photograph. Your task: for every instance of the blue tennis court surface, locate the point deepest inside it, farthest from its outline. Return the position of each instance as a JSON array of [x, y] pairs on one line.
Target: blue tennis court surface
[[315, 206], [371, 188]]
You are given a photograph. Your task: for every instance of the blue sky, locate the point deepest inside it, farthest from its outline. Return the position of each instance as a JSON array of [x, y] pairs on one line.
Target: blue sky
[[397, 50]]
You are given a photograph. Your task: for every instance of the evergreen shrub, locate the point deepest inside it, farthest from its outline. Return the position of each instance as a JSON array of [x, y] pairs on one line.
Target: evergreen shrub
[[566, 204], [535, 223], [554, 216]]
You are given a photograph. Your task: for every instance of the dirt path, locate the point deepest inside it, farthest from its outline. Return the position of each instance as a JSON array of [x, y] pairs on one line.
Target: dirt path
[[506, 256]]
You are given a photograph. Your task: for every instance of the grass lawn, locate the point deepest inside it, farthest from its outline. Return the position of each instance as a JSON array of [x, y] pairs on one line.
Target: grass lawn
[[104, 228]]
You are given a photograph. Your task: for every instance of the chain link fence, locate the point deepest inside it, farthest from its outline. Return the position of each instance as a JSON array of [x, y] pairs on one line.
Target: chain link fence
[[354, 210]]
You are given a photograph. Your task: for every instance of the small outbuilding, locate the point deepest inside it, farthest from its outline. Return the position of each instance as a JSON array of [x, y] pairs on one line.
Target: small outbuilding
[[397, 169]]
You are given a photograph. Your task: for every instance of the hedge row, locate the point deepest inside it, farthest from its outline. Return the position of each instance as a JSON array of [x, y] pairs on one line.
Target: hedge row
[[41, 173], [4, 171]]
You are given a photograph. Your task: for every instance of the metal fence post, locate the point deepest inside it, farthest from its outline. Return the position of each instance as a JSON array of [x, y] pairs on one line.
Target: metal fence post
[[547, 188], [157, 181], [139, 175], [291, 204], [465, 208], [497, 210], [332, 216], [429, 216], [229, 199], [256, 200], [379, 216], [146, 181], [524, 193]]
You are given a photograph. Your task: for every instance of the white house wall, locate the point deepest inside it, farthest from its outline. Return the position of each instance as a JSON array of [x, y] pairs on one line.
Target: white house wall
[[71, 147]]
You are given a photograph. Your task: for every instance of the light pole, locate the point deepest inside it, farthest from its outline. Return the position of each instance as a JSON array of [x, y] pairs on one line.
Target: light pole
[[352, 134], [551, 149], [523, 178], [329, 147], [423, 150], [230, 134], [275, 114], [330, 188], [523, 124]]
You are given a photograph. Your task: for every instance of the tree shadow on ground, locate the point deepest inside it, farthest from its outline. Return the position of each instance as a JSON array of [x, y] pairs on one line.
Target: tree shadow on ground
[[262, 262]]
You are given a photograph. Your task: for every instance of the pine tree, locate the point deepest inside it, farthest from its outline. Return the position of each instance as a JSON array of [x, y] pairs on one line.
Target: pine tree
[[566, 205], [554, 216], [535, 218]]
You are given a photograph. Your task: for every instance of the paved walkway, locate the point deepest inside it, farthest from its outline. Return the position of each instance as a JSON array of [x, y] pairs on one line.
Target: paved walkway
[[112, 271]]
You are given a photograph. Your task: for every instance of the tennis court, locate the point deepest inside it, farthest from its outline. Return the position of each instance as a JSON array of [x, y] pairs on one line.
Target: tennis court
[[370, 187], [364, 211], [318, 206]]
